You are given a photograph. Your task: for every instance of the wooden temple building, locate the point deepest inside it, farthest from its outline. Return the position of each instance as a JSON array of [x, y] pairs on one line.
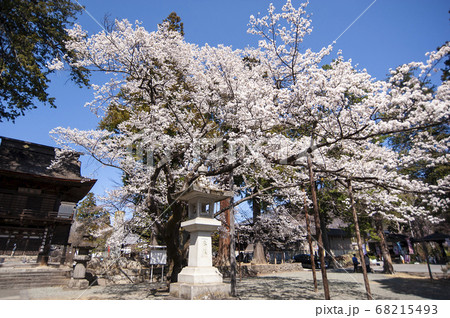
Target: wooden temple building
[[37, 204]]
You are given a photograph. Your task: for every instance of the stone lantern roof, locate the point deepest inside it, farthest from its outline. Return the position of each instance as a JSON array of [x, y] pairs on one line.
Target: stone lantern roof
[[78, 236], [201, 197], [203, 189]]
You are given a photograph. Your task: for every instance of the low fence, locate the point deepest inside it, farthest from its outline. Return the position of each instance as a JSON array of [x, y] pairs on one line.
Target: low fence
[[250, 270]]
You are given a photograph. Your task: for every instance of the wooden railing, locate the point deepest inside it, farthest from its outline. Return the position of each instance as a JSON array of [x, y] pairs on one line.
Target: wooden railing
[[27, 214]]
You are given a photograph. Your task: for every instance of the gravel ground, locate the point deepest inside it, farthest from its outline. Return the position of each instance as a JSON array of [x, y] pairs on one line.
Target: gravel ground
[[282, 286]]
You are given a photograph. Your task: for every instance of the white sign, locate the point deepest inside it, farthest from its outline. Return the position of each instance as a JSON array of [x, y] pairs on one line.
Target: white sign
[[158, 257]]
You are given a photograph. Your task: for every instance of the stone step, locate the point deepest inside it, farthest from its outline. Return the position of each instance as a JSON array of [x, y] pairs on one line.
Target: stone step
[[34, 271], [17, 262], [32, 276], [17, 265], [27, 279], [5, 259], [41, 276], [34, 284]]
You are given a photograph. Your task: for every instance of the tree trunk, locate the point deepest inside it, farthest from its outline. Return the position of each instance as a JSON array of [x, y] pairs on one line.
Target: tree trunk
[[258, 250], [223, 254], [388, 268], [425, 249], [232, 254], [358, 239], [258, 253], [311, 250], [318, 230], [172, 235]]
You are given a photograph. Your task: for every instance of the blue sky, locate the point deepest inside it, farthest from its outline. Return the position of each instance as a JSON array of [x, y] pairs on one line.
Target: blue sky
[[390, 33]]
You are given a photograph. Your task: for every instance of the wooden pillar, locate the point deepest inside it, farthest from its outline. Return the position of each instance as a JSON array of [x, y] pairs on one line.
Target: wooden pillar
[[41, 256], [44, 250], [63, 255], [25, 248], [7, 243]]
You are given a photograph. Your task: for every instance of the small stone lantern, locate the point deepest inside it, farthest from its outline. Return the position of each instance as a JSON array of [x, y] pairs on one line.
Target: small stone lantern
[[200, 280], [83, 246], [81, 259]]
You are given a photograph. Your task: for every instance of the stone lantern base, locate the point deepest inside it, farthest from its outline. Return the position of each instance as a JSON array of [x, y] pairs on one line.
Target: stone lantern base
[[200, 291], [200, 280], [200, 275], [78, 283], [200, 283]]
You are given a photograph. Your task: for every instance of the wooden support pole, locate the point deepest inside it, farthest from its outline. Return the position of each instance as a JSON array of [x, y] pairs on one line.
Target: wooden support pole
[[425, 250], [311, 250], [358, 239], [318, 230]]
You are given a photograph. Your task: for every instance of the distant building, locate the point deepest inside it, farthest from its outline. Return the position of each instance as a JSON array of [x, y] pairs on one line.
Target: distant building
[[340, 240], [336, 239], [37, 203]]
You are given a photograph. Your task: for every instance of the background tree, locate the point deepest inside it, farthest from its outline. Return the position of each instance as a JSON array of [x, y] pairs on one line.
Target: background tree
[[33, 40], [277, 230], [175, 23], [93, 220], [332, 206], [116, 114], [426, 150]]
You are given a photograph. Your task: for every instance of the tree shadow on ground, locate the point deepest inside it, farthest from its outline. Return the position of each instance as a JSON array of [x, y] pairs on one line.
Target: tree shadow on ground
[[285, 288], [425, 288], [132, 291]]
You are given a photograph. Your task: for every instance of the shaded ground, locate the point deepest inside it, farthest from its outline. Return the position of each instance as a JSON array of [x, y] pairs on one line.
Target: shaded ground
[[283, 286], [420, 287], [343, 286], [140, 291], [288, 288]]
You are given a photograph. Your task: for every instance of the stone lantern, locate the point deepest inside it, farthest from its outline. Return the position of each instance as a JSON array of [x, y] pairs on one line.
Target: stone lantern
[[200, 280], [83, 246], [81, 259]]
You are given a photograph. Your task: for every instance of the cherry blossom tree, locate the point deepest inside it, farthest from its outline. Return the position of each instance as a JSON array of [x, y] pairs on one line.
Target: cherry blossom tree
[[187, 107], [277, 229], [270, 113]]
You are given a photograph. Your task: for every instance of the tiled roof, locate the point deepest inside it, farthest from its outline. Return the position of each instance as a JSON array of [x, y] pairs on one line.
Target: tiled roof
[[30, 158]]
